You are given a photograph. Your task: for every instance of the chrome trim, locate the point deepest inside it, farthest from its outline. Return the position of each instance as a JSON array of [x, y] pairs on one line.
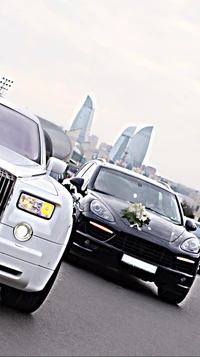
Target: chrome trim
[[7, 182], [186, 260], [80, 246], [182, 286], [104, 228]]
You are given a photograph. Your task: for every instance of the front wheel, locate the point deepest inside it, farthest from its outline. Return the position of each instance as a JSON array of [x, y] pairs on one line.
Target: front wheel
[[24, 301], [172, 298]]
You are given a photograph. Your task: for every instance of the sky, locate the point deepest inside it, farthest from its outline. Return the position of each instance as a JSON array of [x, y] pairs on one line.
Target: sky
[[138, 60]]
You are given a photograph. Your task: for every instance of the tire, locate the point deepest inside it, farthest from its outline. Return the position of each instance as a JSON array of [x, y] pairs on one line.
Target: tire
[[24, 301], [171, 297]]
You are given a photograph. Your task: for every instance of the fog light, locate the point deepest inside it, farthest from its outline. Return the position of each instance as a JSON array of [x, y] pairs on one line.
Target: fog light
[[23, 232], [183, 279], [87, 242]]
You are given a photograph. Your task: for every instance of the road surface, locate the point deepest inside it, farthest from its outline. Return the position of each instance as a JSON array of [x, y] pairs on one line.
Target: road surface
[[93, 312]]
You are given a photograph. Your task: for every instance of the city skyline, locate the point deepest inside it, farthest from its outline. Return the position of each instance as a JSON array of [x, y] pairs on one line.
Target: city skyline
[[144, 72]]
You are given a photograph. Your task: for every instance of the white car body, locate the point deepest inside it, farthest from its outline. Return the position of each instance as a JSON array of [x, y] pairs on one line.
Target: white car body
[[28, 265]]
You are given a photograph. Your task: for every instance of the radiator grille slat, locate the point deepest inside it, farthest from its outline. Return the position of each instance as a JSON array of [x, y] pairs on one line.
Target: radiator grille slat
[[7, 182]]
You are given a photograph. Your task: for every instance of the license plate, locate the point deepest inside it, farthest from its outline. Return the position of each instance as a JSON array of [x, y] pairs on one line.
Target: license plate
[[138, 263]]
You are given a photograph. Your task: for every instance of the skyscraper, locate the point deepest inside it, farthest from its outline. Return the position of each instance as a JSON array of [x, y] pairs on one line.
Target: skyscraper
[[83, 120], [120, 145], [138, 147]]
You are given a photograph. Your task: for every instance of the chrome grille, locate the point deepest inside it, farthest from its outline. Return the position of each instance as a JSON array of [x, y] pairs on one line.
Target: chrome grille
[[7, 182]]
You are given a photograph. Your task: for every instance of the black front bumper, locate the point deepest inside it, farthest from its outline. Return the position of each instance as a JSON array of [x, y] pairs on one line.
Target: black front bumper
[[87, 247]]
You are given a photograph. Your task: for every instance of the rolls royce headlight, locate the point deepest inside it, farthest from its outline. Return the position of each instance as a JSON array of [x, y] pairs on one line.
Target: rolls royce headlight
[[23, 232], [191, 245], [100, 210], [35, 206]]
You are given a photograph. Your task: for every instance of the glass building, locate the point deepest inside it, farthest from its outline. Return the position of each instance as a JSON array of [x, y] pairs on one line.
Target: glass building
[[138, 147], [119, 148], [83, 120]]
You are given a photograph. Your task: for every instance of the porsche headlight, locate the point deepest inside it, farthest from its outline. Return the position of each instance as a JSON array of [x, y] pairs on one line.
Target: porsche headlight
[[35, 206], [100, 210], [191, 245]]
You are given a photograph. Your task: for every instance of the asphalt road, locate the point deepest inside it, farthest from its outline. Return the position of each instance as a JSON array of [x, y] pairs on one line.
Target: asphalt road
[[92, 312]]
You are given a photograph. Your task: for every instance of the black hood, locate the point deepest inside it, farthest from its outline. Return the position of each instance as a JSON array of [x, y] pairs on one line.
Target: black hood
[[159, 226]]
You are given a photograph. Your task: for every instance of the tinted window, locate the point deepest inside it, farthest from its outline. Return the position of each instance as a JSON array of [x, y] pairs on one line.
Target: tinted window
[[19, 133], [131, 189]]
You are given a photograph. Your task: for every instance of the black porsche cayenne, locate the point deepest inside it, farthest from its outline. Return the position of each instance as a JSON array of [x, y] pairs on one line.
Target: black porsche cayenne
[[163, 251]]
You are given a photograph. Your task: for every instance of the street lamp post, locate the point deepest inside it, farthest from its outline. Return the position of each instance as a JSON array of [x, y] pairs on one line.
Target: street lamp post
[[5, 85]]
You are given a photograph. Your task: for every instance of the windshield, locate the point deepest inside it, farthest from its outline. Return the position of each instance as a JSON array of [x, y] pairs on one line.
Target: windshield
[[19, 133], [197, 231], [131, 189]]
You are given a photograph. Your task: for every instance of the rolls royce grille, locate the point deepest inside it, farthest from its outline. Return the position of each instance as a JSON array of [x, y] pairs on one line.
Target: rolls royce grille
[[7, 182]]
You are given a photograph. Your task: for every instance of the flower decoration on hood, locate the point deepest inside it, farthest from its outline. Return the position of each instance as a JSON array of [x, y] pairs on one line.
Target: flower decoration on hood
[[136, 215]]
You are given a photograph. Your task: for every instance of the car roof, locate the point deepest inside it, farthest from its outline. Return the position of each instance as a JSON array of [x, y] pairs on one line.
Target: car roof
[[22, 111], [104, 163]]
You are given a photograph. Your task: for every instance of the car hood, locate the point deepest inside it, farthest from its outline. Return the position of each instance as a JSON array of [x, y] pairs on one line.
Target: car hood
[[159, 226], [19, 165]]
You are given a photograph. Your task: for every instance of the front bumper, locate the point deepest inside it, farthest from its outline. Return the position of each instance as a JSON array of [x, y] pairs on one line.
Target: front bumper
[[174, 280], [27, 265], [22, 275]]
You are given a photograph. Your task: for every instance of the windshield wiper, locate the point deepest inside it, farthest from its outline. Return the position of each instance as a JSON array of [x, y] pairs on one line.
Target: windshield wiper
[[154, 210], [105, 193]]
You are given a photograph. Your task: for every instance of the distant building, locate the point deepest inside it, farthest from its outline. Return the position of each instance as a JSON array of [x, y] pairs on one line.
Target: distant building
[[104, 150], [78, 154], [93, 140], [73, 136], [138, 147], [119, 148], [57, 142], [90, 147], [83, 120], [149, 170]]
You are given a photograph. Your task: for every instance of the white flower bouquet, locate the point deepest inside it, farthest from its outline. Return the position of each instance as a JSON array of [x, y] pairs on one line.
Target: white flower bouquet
[[136, 215]]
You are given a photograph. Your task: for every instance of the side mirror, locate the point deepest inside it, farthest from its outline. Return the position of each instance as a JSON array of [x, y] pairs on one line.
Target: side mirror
[[190, 225], [55, 165], [77, 182]]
